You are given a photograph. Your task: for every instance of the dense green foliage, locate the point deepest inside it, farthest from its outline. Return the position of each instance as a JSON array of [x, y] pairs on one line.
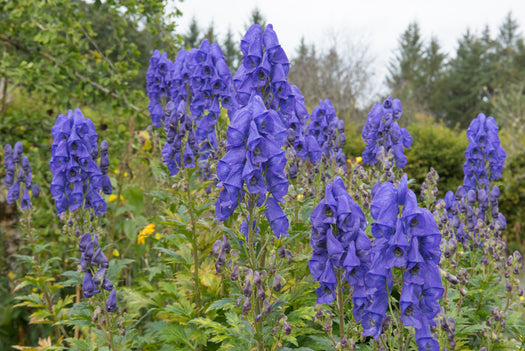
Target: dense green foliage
[[94, 55]]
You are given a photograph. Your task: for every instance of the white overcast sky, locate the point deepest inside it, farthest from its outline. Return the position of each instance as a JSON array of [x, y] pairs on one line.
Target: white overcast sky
[[377, 23]]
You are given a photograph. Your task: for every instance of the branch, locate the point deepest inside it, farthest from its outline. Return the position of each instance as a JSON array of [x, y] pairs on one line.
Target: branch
[[21, 46]]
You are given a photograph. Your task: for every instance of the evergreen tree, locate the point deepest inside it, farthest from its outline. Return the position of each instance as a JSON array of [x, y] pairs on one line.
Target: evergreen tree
[[210, 34], [231, 51], [192, 37], [467, 80], [405, 68], [256, 16], [432, 77]]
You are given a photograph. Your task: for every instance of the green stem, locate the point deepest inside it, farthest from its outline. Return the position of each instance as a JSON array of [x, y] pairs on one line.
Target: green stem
[[253, 263], [340, 305], [194, 244]]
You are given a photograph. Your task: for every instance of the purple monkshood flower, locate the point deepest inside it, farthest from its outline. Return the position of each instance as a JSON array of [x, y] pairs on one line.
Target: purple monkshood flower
[[326, 132], [194, 88], [254, 164], [111, 303], [77, 179], [406, 236], [94, 264], [484, 155], [338, 242], [15, 163], [384, 138]]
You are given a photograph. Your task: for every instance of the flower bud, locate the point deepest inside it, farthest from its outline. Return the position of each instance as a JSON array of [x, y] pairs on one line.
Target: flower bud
[[261, 294], [287, 328], [508, 286], [247, 306], [216, 248], [257, 279], [267, 308], [277, 283], [226, 244], [235, 273], [247, 291]]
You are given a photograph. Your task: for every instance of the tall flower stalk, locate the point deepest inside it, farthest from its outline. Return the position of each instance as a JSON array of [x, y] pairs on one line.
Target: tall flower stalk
[[76, 186]]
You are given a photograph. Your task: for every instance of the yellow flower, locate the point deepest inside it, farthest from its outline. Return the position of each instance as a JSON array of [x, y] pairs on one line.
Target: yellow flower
[[157, 236], [116, 253], [148, 230], [11, 275], [66, 261], [300, 197], [522, 298], [35, 290], [358, 159], [113, 197]]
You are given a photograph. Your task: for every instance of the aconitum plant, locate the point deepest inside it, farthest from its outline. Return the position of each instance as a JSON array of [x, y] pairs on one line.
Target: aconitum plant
[[16, 163], [94, 264], [329, 133], [263, 72], [254, 164], [406, 236], [384, 138], [340, 246], [77, 179], [194, 87], [484, 155]]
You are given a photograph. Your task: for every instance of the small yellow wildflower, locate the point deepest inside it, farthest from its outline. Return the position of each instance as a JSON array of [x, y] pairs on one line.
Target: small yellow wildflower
[[148, 230], [157, 236], [35, 290], [358, 159], [66, 261], [115, 253], [11, 275], [300, 197], [126, 174], [113, 197], [522, 298]]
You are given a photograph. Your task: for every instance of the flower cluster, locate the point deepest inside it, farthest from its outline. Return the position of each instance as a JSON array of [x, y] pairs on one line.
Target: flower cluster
[[254, 163], [405, 236], [77, 179], [94, 264], [384, 138], [263, 72], [263, 69], [339, 242], [465, 212], [148, 230], [484, 155], [157, 85], [329, 133], [13, 160], [197, 82]]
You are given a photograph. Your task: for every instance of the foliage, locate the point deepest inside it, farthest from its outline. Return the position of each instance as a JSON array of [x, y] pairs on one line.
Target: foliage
[[178, 286]]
